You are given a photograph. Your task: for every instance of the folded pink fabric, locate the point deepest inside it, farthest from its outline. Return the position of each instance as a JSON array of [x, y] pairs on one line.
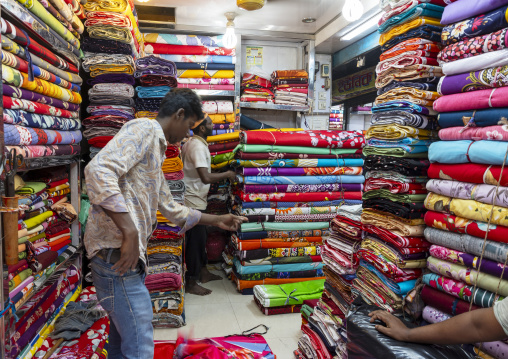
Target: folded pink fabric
[[163, 280], [476, 100], [207, 87], [492, 133]]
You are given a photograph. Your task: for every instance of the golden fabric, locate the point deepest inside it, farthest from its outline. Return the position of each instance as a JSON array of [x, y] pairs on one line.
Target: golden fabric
[[392, 224], [398, 132]]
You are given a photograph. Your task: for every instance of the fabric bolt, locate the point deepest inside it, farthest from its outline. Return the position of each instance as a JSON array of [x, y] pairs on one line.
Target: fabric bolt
[[465, 151], [190, 40], [212, 59], [123, 90], [18, 93], [413, 44], [427, 10], [466, 243], [403, 118], [474, 173], [273, 296], [414, 244], [105, 46], [476, 63], [46, 151], [37, 108], [445, 302], [391, 224], [393, 186], [403, 210], [476, 100], [415, 85], [27, 119], [466, 9], [483, 193], [403, 106], [151, 65], [490, 133], [292, 197], [25, 136], [479, 118], [302, 171], [332, 187], [401, 198], [206, 81], [321, 139], [403, 166], [470, 47], [275, 180], [403, 28], [158, 48], [340, 160], [113, 78], [427, 32], [207, 87], [16, 78], [451, 223], [407, 73], [223, 74], [107, 32], [481, 24]]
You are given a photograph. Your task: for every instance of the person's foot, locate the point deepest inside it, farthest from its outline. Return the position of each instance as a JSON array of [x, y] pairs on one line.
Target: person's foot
[[207, 276], [192, 287]]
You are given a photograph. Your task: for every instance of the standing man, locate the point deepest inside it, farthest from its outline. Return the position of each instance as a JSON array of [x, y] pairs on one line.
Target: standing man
[[126, 186], [197, 177]]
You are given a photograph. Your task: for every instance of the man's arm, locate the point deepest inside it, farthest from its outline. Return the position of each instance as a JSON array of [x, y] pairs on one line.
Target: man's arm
[[208, 178], [476, 326]]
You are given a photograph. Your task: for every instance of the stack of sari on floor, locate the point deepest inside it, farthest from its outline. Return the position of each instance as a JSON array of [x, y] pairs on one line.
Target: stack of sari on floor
[[203, 62], [112, 45], [394, 250], [467, 200], [327, 319], [290, 186], [156, 78], [41, 91], [165, 279]]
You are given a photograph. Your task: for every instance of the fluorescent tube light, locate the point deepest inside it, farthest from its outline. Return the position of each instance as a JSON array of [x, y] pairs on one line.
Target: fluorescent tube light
[[360, 29]]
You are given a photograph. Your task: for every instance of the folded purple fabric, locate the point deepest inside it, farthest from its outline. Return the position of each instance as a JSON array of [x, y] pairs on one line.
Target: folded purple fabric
[[152, 65], [464, 9], [15, 92], [113, 78], [297, 188]]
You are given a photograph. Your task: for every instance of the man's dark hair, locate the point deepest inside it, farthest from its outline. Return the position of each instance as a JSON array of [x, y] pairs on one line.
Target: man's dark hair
[[181, 98]]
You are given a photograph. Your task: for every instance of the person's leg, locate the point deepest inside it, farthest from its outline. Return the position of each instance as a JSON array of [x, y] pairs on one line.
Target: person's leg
[[195, 243], [205, 275], [115, 342], [128, 304]]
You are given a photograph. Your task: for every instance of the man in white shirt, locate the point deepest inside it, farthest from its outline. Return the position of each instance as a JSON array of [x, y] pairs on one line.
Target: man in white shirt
[[197, 177]]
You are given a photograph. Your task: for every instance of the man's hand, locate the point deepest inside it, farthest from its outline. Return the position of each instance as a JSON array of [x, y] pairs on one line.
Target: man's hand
[[231, 175], [229, 222], [129, 253], [394, 326]]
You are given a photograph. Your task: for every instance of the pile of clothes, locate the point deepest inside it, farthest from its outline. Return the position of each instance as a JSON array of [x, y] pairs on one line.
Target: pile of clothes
[[467, 203], [203, 62], [291, 87], [336, 121], [256, 88]]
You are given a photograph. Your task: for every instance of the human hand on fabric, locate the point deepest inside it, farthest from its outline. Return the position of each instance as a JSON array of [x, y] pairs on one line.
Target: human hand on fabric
[[231, 175], [394, 328], [230, 222]]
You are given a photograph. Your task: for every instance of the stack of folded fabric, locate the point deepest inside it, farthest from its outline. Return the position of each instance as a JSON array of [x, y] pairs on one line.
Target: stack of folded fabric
[[291, 87], [203, 62], [467, 200], [222, 115], [165, 267], [340, 256], [256, 88], [290, 201], [336, 121], [394, 250], [156, 77], [114, 42], [25, 336], [40, 93]]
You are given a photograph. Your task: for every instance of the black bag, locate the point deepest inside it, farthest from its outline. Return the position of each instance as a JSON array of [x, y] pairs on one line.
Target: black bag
[[365, 342]]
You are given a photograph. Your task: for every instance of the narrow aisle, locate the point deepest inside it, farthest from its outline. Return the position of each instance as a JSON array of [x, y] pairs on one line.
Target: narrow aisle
[[226, 312]]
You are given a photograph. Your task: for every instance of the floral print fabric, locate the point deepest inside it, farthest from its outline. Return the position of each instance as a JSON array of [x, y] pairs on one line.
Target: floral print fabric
[[483, 193]]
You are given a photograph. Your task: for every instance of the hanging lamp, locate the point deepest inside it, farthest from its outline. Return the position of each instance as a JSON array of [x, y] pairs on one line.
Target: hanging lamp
[[229, 38], [250, 5]]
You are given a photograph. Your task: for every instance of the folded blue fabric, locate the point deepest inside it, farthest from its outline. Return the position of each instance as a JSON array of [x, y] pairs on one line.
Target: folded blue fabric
[[400, 288], [484, 152], [428, 32], [154, 91], [276, 267], [480, 118], [427, 10]]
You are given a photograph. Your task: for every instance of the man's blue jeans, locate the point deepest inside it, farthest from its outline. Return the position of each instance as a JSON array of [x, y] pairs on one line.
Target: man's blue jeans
[[128, 304]]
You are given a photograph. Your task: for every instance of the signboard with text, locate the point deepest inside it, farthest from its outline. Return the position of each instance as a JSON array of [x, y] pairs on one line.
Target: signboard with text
[[355, 85]]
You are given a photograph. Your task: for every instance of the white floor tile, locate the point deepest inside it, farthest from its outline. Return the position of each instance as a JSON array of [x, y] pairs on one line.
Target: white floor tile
[[210, 320], [219, 294], [234, 295], [280, 348], [281, 326]]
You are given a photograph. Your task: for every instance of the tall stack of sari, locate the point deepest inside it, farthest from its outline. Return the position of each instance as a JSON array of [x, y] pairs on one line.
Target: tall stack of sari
[[467, 200], [203, 62], [290, 185], [165, 279], [336, 120], [112, 45], [291, 87], [403, 126]]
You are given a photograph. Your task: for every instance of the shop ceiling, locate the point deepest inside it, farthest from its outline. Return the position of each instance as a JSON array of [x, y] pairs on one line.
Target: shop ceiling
[[278, 20]]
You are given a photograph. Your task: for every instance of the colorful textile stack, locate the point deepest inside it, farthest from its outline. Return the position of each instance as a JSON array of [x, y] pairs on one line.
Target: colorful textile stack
[[114, 42], [256, 88], [40, 90], [467, 200], [326, 320], [44, 232], [25, 336], [156, 78], [165, 279], [394, 250], [291, 87], [290, 185], [91, 343], [222, 114], [336, 121], [203, 62]]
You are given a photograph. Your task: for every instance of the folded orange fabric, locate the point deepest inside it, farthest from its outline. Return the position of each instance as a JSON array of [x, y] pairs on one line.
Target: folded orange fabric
[[59, 241], [245, 245]]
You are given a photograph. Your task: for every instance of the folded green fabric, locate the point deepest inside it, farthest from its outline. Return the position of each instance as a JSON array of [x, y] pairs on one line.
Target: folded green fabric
[[17, 280], [35, 221], [394, 197], [306, 311], [289, 294], [394, 152], [32, 187]]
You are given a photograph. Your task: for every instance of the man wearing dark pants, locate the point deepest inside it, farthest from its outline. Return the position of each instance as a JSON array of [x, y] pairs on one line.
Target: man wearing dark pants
[[126, 186], [197, 178]]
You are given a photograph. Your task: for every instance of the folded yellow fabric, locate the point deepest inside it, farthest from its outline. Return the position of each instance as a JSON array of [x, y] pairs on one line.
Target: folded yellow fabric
[[146, 114], [225, 137], [420, 97], [401, 29], [96, 70], [222, 118], [170, 165], [206, 74], [398, 132]]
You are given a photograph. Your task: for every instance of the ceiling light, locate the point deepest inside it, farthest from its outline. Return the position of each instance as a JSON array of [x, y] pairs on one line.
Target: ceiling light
[[308, 20], [360, 29], [229, 38], [352, 10], [250, 5]]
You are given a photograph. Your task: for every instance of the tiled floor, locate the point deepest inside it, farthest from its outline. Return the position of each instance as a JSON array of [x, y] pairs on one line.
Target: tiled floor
[[226, 312]]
